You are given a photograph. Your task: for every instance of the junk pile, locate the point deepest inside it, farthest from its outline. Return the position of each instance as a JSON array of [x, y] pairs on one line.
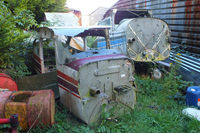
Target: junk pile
[[28, 106], [93, 78], [90, 79]]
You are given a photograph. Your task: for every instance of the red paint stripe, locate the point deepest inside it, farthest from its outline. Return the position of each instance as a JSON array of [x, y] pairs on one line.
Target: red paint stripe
[[66, 84], [68, 78], [80, 62], [37, 58], [37, 69], [37, 66], [69, 91]]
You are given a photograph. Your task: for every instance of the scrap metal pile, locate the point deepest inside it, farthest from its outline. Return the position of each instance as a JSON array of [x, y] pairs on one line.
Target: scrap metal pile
[[92, 78]]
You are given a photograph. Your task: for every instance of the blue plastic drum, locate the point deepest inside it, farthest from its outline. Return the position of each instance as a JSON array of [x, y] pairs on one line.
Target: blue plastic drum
[[193, 96]]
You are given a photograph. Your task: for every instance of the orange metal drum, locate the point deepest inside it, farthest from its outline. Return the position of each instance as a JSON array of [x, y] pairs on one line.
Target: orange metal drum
[[7, 83]]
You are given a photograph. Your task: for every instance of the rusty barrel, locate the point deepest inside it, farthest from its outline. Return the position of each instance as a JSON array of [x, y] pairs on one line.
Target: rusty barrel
[[7, 83], [41, 106], [32, 107]]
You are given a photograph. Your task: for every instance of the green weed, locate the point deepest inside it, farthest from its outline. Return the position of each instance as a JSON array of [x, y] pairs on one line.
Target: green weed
[[158, 110]]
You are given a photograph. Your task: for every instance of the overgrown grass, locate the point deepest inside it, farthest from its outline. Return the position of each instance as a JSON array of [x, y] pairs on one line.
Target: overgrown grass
[[158, 110]]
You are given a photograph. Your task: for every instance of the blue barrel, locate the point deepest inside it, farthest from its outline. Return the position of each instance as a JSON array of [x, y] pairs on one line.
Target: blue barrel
[[193, 96]]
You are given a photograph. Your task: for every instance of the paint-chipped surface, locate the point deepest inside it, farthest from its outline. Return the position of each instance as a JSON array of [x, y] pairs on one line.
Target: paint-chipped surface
[[41, 108], [32, 107], [20, 109], [93, 79]]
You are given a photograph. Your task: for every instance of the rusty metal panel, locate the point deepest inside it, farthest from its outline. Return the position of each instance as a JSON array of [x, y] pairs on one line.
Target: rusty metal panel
[[186, 35], [183, 16]]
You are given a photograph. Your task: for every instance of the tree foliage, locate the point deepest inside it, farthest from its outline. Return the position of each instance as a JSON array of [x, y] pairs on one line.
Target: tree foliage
[[12, 37], [38, 7], [16, 16]]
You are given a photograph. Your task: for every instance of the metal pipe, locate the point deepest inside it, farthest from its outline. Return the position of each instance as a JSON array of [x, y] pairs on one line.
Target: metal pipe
[[113, 19], [187, 66], [94, 92], [186, 59], [85, 43], [4, 121], [13, 121], [41, 55], [107, 39], [186, 62]]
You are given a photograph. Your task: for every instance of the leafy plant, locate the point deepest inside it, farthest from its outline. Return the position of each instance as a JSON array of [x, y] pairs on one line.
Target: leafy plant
[[12, 39], [38, 7], [91, 41]]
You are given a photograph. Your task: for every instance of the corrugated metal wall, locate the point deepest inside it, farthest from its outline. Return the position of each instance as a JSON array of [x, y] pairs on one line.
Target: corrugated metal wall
[[183, 16]]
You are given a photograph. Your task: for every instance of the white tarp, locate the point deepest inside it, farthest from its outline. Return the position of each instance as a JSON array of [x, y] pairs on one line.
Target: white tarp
[[192, 112]]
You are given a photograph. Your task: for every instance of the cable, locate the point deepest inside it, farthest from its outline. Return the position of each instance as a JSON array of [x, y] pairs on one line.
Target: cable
[[35, 120]]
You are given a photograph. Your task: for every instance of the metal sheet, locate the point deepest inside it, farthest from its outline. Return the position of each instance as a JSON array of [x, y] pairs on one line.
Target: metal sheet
[[80, 31], [61, 25], [68, 31]]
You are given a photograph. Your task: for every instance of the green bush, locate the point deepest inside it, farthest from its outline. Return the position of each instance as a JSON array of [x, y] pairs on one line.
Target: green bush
[[13, 36], [38, 7]]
